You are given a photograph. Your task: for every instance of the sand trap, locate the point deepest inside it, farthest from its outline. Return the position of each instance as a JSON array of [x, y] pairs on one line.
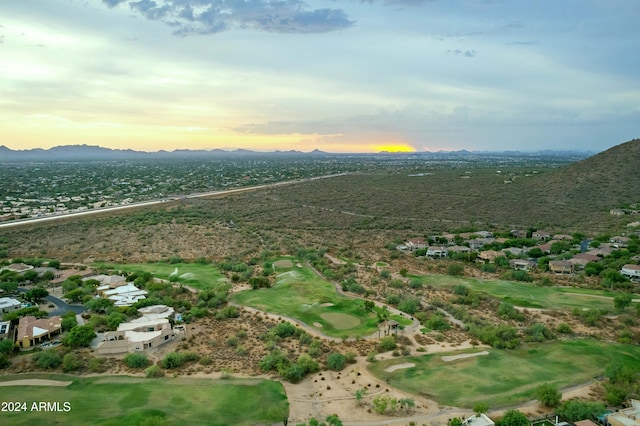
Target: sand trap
[[341, 321], [35, 382], [187, 276], [392, 368], [317, 324], [283, 263], [326, 305], [462, 356]]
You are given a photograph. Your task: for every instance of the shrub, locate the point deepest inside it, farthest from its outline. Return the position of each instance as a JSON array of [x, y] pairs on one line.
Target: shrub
[[455, 269], [564, 328], [97, 365], [154, 371], [548, 394], [336, 361], [4, 361], [136, 360], [47, 359], [177, 359], [387, 344], [70, 362]]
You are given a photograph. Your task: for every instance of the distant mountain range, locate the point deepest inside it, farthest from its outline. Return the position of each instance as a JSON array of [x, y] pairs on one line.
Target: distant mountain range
[[92, 152]]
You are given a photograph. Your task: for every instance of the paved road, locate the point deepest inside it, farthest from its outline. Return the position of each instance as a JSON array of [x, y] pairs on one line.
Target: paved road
[[62, 307], [30, 221]]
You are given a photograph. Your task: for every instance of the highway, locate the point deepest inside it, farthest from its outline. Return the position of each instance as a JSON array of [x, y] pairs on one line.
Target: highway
[[31, 221]]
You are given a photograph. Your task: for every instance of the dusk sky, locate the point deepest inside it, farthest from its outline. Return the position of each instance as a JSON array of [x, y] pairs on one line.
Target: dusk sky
[[339, 76]]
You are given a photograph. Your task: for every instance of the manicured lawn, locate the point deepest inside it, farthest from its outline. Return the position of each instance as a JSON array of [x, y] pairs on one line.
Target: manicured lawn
[[527, 295], [300, 293], [196, 275], [132, 401], [505, 377]]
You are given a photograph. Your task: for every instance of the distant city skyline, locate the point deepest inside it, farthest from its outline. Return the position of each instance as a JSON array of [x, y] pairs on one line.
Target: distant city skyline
[[351, 76]]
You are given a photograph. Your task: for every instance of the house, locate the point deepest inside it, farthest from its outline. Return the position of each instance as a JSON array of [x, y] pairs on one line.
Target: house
[[5, 329], [478, 420], [32, 330], [488, 256], [484, 234], [541, 235], [108, 280], [522, 264], [563, 237], [437, 251], [415, 244], [62, 276], [585, 423], [580, 260], [631, 271], [561, 267], [514, 250], [149, 331], [17, 267], [459, 249], [619, 242], [518, 233], [477, 243], [123, 295], [9, 304], [627, 416]]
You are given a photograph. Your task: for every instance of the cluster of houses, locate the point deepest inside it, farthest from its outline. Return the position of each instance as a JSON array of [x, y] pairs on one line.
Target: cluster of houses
[[473, 242], [149, 331]]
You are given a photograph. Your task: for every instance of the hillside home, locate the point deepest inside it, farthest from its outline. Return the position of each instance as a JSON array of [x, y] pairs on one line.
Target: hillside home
[[631, 271], [459, 249], [5, 330], [477, 243], [627, 416], [563, 237], [561, 267], [619, 242], [522, 264], [515, 250], [17, 267], [478, 420], [124, 295], [9, 304], [149, 331], [518, 233], [484, 234], [415, 244], [62, 276], [32, 330], [109, 280], [541, 235], [437, 251], [488, 256]]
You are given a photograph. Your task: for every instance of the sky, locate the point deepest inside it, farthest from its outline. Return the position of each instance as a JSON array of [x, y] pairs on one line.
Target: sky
[[338, 76]]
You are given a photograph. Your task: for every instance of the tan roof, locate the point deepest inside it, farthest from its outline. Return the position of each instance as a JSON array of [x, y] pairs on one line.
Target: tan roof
[[32, 327]]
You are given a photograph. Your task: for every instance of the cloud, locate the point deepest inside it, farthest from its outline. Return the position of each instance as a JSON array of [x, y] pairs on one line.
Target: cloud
[[189, 17], [466, 53]]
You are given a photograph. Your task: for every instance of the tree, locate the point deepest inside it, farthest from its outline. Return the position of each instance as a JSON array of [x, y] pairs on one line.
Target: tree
[[75, 295], [368, 305], [574, 410], [99, 305], [6, 346], [34, 295], [336, 361], [622, 301], [79, 336], [548, 394], [514, 418], [136, 360], [455, 422], [480, 407], [360, 393]]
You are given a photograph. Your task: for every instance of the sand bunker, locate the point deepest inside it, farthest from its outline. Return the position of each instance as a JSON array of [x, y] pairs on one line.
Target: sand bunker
[[340, 321], [326, 305], [35, 382], [283, 263], [392, 368], [187, 276], [317, 324], [462, 356]]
